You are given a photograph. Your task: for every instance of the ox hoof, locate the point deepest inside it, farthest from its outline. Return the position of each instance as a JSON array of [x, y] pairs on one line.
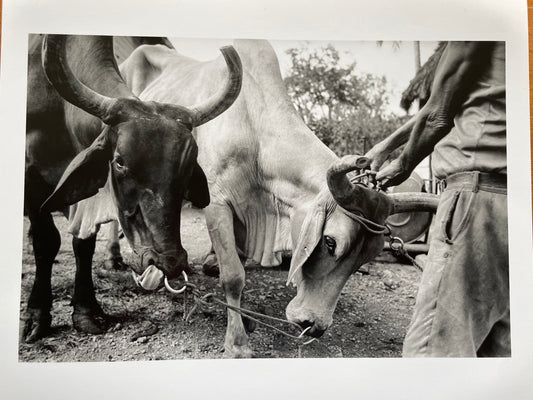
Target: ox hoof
[[210, 265], [234, 351], [35, 324], [116, 264], [89, 320], [211, 270]]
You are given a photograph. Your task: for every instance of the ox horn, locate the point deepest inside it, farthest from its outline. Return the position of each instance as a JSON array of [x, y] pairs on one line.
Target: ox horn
[[223, 99], [60, 75], [408, 202], [357, 198]]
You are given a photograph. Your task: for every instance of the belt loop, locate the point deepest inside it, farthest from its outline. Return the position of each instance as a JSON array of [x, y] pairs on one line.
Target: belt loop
[[475, 182], [442, 184]]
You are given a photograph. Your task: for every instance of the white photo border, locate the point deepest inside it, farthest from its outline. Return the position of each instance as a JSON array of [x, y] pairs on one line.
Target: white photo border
[[270, 19]]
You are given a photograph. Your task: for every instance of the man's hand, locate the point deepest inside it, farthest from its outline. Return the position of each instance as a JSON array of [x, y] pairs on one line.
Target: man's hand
[[394, 173], [381, 151], [377, 156]]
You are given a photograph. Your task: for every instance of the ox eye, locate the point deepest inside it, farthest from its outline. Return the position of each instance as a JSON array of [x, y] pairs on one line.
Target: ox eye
[[119, 163], [330, 244]]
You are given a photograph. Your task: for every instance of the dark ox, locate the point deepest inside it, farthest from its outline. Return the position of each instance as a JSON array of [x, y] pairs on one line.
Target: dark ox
[[140, 154], [268, 180]]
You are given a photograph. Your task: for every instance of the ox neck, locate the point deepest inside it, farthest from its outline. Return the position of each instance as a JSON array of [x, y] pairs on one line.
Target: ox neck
[[295, 172], [292, 160]]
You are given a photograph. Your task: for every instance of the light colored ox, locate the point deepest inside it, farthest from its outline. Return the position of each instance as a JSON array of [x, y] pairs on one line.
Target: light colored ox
[[268, 179]]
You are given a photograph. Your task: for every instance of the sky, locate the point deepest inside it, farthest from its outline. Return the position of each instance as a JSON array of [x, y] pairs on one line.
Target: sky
[[396, 63]]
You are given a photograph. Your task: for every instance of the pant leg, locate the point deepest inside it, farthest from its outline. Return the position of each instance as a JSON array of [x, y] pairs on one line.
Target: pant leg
[[498, 342], [464, 291]]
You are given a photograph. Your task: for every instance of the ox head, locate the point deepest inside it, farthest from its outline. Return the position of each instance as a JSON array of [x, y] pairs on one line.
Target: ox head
[[330, 243], [146, 152]]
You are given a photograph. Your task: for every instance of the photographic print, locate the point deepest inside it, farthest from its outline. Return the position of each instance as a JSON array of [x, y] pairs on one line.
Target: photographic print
[[233, 173], [309, 200]]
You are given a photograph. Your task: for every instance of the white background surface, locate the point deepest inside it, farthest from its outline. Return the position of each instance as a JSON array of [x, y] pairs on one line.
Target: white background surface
[[271, 19]]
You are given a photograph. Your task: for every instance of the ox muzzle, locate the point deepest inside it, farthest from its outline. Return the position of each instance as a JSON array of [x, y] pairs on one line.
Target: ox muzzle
[[152, 268]]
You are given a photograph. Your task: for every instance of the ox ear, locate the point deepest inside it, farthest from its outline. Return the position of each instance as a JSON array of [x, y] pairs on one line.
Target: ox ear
[[197, 192], [310, 235], [85, 174]]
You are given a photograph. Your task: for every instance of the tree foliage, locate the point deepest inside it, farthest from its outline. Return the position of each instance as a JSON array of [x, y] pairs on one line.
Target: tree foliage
[[346, 109]]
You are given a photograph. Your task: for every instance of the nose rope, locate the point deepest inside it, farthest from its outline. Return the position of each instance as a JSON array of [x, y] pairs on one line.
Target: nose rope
[[208, 302], [369, 225], [396, 244]]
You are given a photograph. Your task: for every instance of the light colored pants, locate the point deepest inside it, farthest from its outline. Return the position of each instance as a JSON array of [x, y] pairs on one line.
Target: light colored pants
[[462, 306]]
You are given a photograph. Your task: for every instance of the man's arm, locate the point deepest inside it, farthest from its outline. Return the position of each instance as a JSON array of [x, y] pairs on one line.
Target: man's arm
[[459, 64], [382, 150]]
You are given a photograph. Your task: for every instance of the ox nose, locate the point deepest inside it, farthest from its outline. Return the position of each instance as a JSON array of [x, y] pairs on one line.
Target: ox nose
[[314, 331], [149, 258], [171, 263]]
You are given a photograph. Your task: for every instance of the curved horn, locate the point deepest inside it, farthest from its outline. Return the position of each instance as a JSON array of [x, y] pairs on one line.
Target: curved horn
[[356, 197], [407, 202], [223, 99], [68, 86], [344, 192]]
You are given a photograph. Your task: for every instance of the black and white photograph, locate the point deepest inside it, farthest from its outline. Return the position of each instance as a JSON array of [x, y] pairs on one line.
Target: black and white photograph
[[238, 197], [216, 202]]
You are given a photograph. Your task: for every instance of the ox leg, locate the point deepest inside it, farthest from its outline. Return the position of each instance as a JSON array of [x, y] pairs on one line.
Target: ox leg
[[210, 268], [220, 224], [210, 264], [87, 317], [36, 321], [113, 257]]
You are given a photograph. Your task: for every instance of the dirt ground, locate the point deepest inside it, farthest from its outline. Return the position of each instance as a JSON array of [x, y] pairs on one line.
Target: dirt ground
[[370, 320]]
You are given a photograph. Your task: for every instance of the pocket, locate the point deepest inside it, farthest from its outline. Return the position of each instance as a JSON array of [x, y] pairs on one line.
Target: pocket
[[458, 214]]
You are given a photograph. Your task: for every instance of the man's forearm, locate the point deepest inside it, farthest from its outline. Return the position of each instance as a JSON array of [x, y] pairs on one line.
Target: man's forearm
[[398, 138], [381, 151], [460, 61], [430, 127]]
